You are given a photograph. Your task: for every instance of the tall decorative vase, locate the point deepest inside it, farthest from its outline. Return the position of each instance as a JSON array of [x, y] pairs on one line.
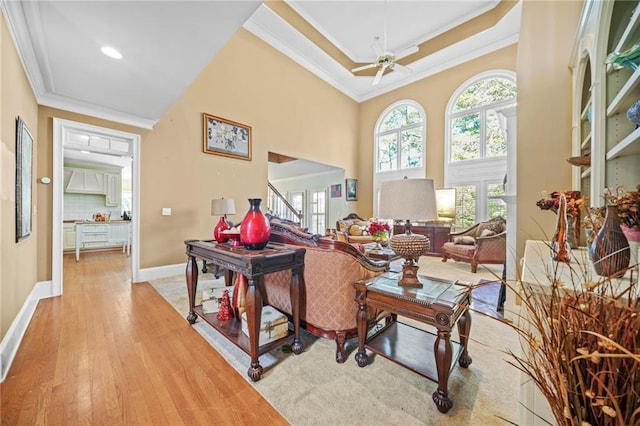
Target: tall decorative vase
[[560, 247], [610, 248], [633, 237], [255, 229]]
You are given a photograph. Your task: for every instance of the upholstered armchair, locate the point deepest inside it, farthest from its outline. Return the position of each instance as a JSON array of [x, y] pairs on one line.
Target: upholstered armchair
[[330, 269], [485, 242]]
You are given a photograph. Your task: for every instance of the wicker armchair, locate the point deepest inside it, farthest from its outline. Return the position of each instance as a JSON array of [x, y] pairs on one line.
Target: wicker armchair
[[485, 242]]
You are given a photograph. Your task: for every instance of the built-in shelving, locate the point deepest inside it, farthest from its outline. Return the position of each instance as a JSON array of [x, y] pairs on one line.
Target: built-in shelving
[[628, 146], [632, 25], [586, 143], [622, 98], [586, 173]]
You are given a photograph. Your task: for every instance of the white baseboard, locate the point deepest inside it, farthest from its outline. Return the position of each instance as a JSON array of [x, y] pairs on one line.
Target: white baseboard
[[11, 341], [149, 274]]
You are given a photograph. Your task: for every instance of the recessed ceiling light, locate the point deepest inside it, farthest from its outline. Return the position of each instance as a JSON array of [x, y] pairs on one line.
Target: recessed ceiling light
[[111, 52]]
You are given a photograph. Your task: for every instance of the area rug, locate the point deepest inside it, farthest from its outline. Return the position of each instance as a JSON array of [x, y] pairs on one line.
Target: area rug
[[484, 298], [312, 389]]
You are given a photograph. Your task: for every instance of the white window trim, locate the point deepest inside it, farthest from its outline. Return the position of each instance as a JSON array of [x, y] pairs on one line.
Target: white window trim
[[387, 175], [506, 74], [462, 173]]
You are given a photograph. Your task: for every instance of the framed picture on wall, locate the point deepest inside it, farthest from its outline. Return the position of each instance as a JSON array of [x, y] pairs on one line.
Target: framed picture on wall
[[225, 137], [336, 190], [352, 189], [24, 173]]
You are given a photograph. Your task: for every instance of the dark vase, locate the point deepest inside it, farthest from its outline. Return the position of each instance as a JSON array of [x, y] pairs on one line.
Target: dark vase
[[255, 229], [610, 248], [560, 248]]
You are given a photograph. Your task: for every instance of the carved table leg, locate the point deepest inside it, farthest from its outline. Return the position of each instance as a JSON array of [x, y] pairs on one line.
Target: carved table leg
[[361, 319], [464, 328], [341, 353], [192, 285], [444, 352], [254, 314], [294, 293]]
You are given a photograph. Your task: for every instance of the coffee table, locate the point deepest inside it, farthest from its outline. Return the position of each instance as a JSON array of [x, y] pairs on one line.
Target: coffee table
[[380, 254], [439, 303]]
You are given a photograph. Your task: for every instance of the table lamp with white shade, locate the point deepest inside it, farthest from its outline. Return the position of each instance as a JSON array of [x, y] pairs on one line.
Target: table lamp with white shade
[[408, 199]]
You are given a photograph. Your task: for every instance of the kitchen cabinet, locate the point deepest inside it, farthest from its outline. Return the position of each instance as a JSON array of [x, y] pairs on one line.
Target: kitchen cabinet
[[113, 189], [84, 181], [69, 236], [94, 235], [602, 94]]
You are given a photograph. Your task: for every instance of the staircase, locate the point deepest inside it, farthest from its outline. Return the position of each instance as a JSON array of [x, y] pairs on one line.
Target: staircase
[[278, 205]]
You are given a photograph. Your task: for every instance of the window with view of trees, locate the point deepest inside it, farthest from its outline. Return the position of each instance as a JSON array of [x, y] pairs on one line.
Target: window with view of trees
[[399, 139], [477, 145]]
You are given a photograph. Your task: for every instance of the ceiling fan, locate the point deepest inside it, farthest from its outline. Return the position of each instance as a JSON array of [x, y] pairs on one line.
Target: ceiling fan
[[386, 60]]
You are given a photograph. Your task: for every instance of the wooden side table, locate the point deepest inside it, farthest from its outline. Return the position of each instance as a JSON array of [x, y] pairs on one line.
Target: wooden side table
[[253, 264], [440, 303]]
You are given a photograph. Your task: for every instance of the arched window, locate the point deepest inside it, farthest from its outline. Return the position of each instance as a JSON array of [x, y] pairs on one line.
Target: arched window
[[400, 138], [399, 144], [476, 150]]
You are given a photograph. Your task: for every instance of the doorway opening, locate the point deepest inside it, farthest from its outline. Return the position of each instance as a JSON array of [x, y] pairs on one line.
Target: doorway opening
[[69, 138]]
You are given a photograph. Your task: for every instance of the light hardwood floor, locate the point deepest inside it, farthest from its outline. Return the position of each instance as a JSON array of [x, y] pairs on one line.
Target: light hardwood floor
[[111, 352]]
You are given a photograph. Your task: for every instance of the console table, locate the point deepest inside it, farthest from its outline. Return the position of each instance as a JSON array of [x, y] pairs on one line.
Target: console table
[[437, 232], [439, 303], [253, 264]]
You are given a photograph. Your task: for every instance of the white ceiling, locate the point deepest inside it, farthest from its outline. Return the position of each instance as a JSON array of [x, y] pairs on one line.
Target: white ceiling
[[299, 167], [166, 44]]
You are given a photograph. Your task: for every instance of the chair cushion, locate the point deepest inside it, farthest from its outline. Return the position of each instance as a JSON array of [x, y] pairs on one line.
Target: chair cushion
[[461, 250], [344, 225], [487, 233], [464, 239], [356, 230]]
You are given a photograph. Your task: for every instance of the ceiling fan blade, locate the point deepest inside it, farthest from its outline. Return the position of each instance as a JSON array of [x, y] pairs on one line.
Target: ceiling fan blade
[[402, 69], [376, 80], [364, 67], [408, 51]]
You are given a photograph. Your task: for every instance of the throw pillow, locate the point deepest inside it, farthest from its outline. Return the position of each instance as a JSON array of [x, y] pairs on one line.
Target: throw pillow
[[344, 225], [356, 230], [487, 233], [464, 239]]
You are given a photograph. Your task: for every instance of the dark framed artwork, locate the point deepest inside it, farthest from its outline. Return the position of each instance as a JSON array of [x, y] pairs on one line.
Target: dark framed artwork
[[225, 137], [336, 190], [24, 172], [352, 189]]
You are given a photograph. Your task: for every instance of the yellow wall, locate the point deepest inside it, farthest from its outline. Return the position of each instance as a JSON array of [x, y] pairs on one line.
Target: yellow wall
[[544, 111], [292, 112], [17, 260], [433, 93]]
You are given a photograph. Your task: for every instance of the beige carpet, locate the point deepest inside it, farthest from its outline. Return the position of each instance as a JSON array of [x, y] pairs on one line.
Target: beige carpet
[[311, 388]]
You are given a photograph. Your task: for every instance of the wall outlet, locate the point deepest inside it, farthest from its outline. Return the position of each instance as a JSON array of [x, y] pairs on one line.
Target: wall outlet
[[166, 211]]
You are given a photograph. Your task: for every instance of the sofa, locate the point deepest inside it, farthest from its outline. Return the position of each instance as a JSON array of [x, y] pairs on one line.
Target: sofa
[[330, 269], [353, 229], [483, 243]]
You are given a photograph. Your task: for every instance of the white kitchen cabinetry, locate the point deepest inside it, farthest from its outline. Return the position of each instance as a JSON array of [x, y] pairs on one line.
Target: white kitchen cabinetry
[[69, 236], [605, 93], [113, 189], [84, 181]]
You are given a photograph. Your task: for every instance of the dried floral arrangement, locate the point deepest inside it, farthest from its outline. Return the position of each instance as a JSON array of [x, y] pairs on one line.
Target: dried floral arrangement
[[581, 348], [552, 202], [628, 203]]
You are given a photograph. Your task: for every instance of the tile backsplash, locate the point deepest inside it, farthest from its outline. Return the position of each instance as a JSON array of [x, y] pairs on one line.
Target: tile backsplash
[[84, 206]]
